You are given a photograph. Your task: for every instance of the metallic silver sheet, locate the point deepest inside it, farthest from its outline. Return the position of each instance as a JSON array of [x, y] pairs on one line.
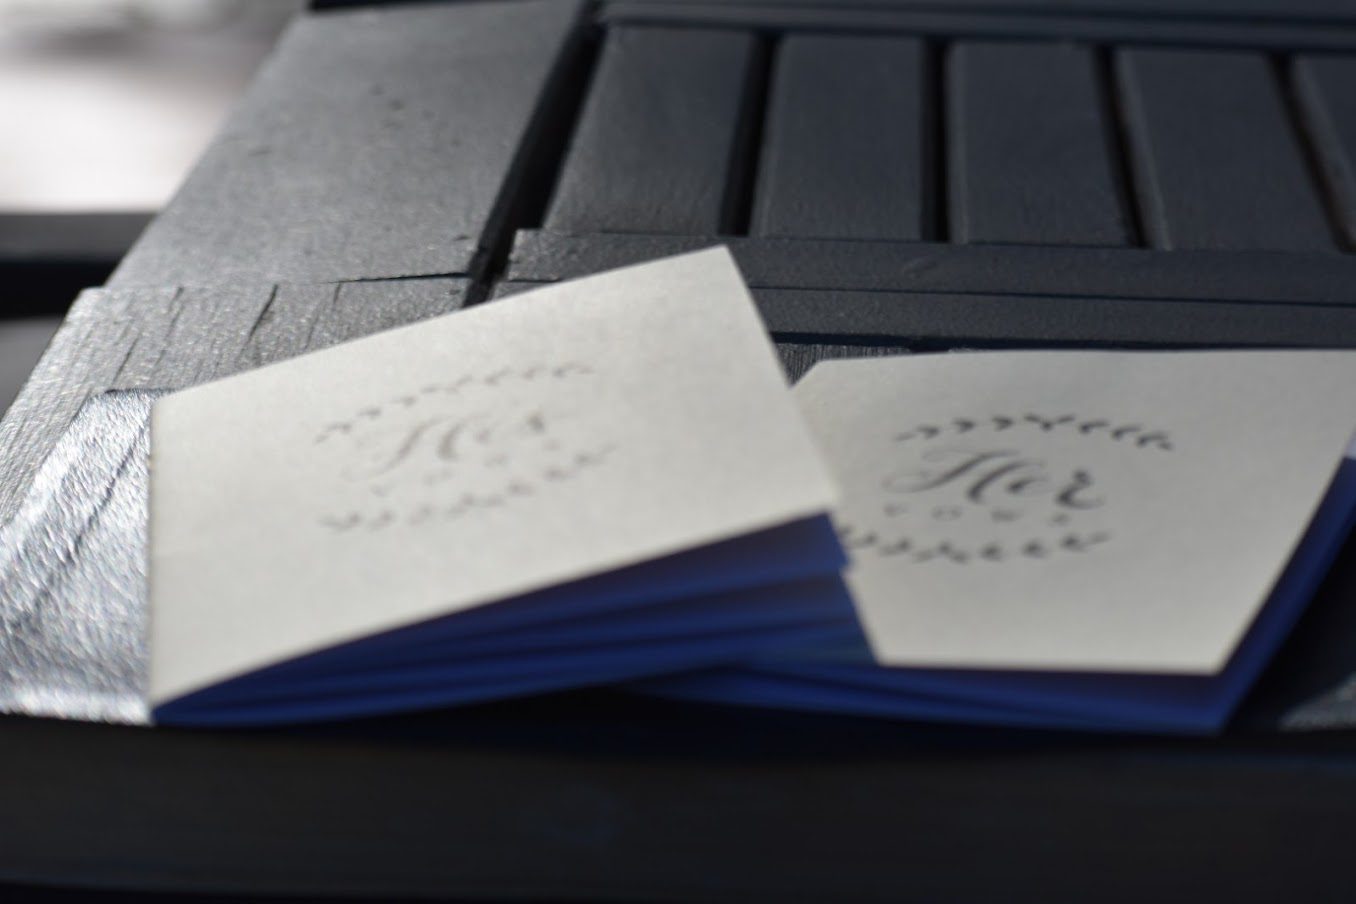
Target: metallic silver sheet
[[73, 573]]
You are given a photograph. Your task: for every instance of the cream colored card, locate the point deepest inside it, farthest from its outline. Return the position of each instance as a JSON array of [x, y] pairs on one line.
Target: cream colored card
[[1075, 510], [466, 459]]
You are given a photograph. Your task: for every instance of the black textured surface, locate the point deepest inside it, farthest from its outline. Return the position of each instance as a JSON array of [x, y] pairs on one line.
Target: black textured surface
[[1031, 150], [843, 153], [934, 320], [932, 295], [1011, 19], [1219, 163], [658, 134], [1301, 10], [1325, 88], [1271, 278], [371, 144]]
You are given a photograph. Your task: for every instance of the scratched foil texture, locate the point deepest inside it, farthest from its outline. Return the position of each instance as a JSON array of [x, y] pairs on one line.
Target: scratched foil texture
[[73, 602]]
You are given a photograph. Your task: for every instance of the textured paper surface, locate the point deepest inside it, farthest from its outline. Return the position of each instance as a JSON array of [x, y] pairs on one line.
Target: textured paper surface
[[467, 459], [1071, 510]]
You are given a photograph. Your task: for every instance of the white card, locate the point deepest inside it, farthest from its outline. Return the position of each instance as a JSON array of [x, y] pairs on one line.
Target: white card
[[466, 459], [1075, 510]]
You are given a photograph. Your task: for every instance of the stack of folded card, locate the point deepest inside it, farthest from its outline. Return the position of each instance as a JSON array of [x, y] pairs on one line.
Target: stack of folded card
[[1068, 539], [593, 482], [608, 481]]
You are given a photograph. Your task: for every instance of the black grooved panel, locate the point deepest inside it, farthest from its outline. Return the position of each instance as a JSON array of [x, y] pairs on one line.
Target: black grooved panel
[[371, 144], [843, 148], [1219, 162], [1030, 151], [659, 134]]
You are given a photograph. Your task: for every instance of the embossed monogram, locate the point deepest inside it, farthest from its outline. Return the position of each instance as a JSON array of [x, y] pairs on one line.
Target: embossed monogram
[[448, 450], [987, 476], [988, 489]]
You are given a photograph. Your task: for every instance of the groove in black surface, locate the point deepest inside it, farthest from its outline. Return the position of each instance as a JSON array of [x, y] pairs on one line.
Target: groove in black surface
[[1139, 159], [1118, 144], [413, 277], [742, 171], [936, 217], [1297, 114], [575, 82], [267, 313], [541, 158]]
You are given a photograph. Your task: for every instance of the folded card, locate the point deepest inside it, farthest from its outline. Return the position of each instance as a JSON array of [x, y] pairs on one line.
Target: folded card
[[593, 481], [1089, 539]]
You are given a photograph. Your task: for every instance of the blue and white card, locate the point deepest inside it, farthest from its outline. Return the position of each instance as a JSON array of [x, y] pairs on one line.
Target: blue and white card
[[1079, 539], [590, 482]]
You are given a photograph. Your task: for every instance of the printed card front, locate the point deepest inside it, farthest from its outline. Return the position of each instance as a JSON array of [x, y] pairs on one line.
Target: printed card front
[[464, 460], [1077, 511]]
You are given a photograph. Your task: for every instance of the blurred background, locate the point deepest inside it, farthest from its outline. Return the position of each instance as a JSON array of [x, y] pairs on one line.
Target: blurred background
[[107, 104]]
